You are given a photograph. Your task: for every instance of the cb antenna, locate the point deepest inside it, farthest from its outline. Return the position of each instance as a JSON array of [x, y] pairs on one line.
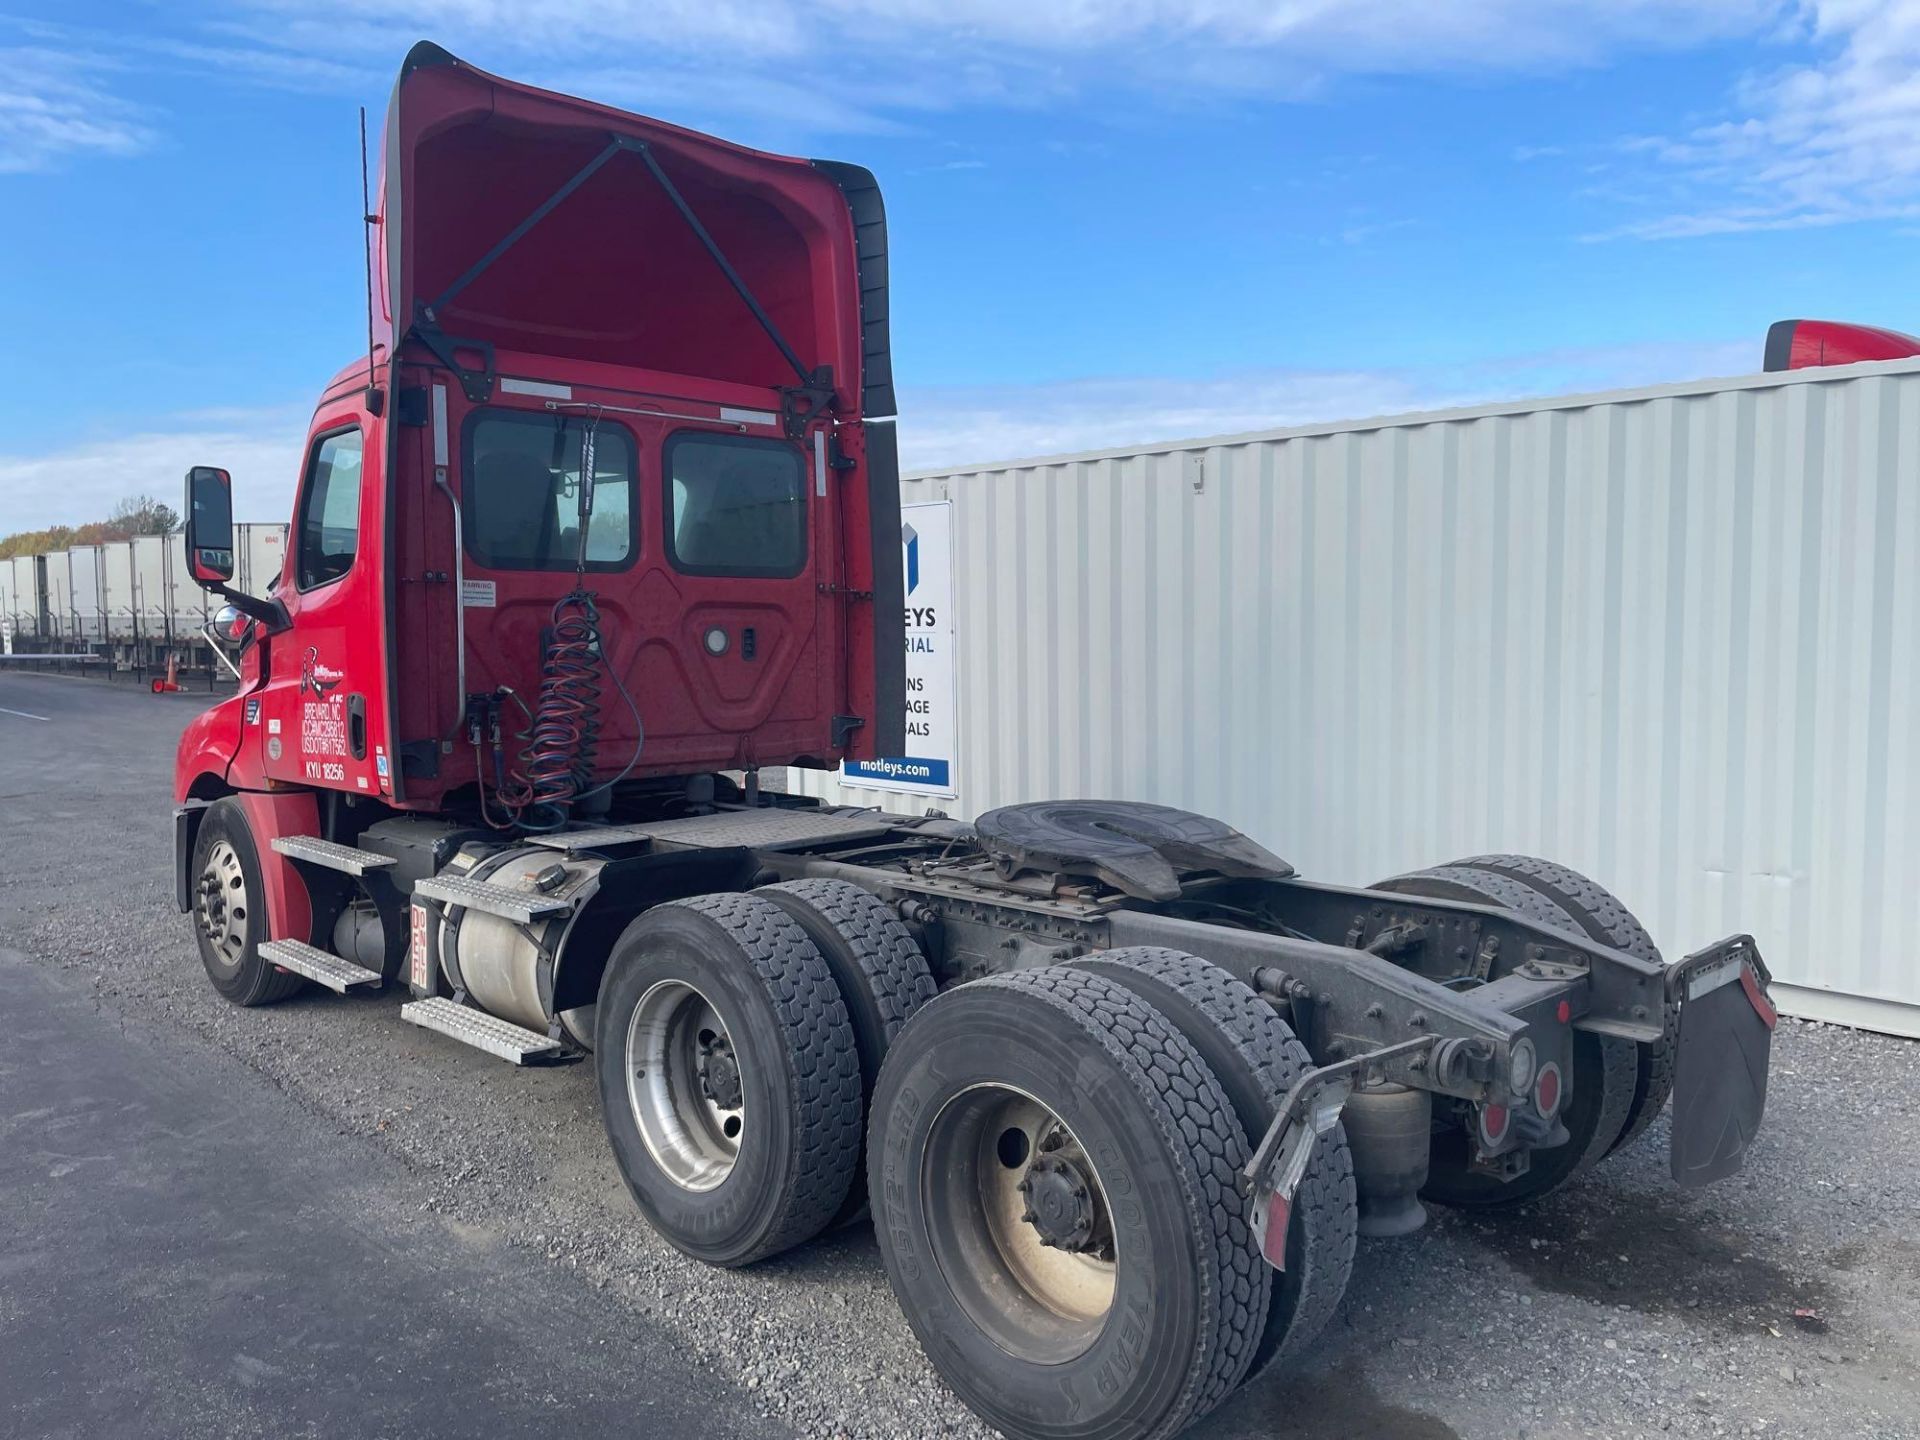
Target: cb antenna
[[368, 220]]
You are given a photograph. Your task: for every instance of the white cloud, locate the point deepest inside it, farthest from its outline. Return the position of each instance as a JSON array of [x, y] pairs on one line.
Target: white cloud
[[1825, 143], [778, 72], [841, 66], [81, 483], [1336, 35], [939, 425], [963, 424], [57, 104]]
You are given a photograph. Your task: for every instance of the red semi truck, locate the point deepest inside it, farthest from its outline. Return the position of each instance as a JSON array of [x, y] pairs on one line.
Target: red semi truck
[[607, 520]]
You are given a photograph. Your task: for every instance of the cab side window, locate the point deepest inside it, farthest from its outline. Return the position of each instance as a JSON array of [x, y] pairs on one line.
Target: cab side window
[[329, 520]]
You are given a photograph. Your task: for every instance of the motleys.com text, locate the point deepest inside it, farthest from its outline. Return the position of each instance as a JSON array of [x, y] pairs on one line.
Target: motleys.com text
[[898, 769]]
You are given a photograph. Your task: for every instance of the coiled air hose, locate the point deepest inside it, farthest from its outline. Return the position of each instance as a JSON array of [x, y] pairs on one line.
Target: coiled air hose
[[563, 732]]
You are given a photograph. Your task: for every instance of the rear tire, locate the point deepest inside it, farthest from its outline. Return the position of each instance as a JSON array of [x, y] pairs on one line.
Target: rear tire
[[1254, 1055], [230, 910], [1603, 1066], [882, 975], [1601, 917], [728, 1079], [1070, 1083]]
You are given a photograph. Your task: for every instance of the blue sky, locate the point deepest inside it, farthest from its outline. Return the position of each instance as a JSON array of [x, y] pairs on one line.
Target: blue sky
[[1112, 220]]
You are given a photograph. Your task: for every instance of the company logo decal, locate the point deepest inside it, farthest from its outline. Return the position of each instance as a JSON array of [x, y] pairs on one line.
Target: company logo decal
[[323, 720], [316, 678]]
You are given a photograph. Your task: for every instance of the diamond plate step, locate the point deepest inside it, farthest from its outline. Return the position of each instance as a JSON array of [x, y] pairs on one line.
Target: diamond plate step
[[317, 965], [349, 859], [521, 906], [479, 1029]]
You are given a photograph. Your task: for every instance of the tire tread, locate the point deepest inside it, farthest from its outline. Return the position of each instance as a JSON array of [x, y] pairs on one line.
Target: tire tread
[[1205, 1138], [822, 1066], [1324, 1207]]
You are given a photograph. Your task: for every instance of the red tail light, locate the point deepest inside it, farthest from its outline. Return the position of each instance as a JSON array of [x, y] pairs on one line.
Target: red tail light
[[1547, 1090], [1495, 1121]]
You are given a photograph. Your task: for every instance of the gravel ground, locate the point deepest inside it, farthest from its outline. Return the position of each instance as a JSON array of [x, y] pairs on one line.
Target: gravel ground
[[1626, 1308]]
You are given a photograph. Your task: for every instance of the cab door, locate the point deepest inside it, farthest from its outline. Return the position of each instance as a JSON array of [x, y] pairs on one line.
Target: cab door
[[321, 706], [748, 546]]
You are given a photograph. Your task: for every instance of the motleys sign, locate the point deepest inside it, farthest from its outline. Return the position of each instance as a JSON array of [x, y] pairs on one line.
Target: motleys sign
[[926, 541], [903, 768]]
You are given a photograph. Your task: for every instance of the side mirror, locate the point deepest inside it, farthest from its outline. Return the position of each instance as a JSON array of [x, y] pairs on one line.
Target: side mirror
[[209, 526], [230, 625]]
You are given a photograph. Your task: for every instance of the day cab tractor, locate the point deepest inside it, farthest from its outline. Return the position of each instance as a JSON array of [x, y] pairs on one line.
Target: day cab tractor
[[606, 522]]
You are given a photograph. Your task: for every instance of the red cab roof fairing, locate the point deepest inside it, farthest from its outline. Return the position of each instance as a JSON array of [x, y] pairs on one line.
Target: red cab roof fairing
[[616, 265]]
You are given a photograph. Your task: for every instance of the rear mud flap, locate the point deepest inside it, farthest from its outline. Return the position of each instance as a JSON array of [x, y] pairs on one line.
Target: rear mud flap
[[1720, 1085]]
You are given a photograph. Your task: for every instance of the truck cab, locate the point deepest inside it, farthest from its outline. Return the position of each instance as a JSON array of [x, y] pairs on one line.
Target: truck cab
[[633, 364]]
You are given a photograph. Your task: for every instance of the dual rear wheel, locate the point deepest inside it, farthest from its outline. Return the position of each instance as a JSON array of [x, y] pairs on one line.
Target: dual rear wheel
[[1052, 1156], [1618, 1088]]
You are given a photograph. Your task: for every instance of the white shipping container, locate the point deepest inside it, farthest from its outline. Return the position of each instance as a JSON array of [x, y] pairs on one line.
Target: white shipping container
[[59, 597], [186, 602], [1670, 637], [117, 589], [260, 550], [88, 598], [24, 595], [149, 563]]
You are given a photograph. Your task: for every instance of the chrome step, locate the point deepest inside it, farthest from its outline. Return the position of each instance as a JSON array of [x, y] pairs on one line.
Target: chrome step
[[317, 965], [479, 1029], [520, 906], [349, 859]]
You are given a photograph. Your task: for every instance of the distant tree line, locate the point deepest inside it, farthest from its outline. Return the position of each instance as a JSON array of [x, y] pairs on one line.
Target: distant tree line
[[136, 515]]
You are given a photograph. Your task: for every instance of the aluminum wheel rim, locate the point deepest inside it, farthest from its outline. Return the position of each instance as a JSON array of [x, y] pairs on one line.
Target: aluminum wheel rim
[[1037, 1302], [220, 903], [690, 1120]]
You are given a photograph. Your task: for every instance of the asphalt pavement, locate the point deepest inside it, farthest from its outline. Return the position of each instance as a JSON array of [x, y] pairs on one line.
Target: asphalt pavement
[[193, 1255], [313, 1219]]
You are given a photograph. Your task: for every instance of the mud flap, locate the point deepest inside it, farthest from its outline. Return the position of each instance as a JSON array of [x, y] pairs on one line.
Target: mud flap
[[1720, 1085]]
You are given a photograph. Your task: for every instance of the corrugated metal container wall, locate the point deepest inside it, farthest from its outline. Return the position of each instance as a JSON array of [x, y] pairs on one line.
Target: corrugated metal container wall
[[186, 602], [27, 597], [259, 552], [84, 566], [1668, 637], [149, 558], [117, 589], [59, 594]]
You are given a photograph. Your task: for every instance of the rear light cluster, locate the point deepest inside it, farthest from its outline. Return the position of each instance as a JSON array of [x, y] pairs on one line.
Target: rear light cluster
[[1529, 1081]]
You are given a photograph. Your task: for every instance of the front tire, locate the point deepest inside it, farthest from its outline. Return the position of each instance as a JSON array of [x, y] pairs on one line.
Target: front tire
[[230, 910], [1052, 1169], [728, 1078]]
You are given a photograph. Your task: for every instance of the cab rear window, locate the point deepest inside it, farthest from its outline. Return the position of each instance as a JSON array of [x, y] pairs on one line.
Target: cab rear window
[[736, 505], [522, 492]]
